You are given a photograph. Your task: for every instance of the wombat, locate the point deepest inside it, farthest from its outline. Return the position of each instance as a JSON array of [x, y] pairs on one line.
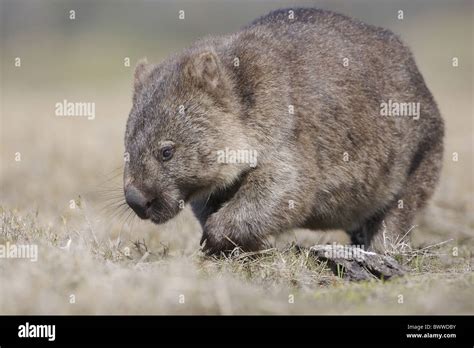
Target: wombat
[[342, 127]]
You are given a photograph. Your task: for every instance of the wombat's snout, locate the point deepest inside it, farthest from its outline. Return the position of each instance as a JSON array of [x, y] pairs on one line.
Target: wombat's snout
[[137, 201]]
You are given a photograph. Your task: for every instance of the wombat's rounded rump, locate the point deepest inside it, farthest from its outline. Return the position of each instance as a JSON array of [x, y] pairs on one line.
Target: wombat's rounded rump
[[304, 118]]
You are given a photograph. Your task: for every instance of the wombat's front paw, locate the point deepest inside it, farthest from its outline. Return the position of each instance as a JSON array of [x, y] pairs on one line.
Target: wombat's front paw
[[215, 239], [220, 236]]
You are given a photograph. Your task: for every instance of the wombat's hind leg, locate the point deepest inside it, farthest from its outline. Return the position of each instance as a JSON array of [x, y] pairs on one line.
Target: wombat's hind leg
[[392, 230], [363, 235]]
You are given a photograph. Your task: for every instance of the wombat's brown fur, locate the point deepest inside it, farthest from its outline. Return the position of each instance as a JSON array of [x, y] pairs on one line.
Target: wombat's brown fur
[[305, 93]]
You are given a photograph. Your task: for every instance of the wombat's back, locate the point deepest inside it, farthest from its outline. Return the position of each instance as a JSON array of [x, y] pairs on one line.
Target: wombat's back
[[339, 70]]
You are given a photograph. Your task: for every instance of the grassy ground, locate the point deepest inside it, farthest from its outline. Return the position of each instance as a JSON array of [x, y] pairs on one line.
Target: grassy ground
[[82, 265], [95, 257]]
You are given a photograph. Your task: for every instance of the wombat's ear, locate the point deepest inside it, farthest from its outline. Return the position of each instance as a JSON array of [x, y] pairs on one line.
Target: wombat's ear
[[142, 70], [204, 69]]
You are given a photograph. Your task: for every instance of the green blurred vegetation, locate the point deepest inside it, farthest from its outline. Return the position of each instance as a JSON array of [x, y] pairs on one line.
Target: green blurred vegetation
[[90, 49]]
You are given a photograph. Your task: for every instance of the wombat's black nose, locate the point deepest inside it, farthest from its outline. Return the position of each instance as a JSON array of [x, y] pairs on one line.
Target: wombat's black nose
[[137, 201]]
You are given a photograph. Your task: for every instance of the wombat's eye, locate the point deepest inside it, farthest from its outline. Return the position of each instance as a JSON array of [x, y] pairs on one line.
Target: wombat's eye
[[167, 152]]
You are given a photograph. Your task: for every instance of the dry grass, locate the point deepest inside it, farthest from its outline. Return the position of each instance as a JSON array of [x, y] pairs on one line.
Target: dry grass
[[127, 274]]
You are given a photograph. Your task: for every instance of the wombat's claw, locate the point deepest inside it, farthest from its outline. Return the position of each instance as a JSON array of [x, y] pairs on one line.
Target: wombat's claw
[[205, 246], [209, 248]]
